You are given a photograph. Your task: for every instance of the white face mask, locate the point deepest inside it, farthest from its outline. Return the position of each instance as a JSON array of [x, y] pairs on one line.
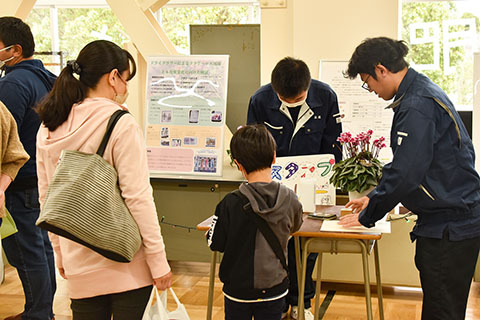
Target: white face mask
[[295, 104], [121, 98], [2, 62]]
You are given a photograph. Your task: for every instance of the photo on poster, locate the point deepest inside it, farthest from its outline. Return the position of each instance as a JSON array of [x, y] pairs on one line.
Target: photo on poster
[[164, 132], [165, 142], [190, 141], [166, 115], [216, 116], [176, 142], [210, 142], [203, 163], [193, 116]]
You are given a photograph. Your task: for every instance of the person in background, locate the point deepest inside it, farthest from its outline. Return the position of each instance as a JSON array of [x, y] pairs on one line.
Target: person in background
[[432, 174], [24, 84], [74, 116], [255, 282], [13, 156], [302, 115]]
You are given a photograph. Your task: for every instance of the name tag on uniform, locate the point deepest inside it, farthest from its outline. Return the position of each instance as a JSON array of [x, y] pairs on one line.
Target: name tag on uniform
[[400, 137]]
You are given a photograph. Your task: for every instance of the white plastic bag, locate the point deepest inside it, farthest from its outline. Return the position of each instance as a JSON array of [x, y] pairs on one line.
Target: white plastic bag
[[159, 311]]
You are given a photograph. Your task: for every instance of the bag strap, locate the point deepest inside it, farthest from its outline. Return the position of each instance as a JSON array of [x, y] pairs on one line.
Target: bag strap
[[108, 132], [265, 229]]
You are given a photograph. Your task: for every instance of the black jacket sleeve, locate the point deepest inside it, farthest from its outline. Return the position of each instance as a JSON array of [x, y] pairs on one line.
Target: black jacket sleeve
[[414, 135], [217, 234]]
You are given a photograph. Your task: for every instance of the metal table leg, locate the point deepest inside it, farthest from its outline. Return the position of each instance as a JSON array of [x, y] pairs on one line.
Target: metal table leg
[[301, 281], [318, 284], [366, 278], [211, 284], [379, 281]]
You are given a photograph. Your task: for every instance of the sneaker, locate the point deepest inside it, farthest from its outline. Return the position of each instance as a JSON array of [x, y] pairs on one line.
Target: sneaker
[[308, 314]]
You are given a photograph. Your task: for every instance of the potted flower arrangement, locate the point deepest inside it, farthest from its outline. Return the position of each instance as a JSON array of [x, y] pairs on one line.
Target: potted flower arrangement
[[360, 170]]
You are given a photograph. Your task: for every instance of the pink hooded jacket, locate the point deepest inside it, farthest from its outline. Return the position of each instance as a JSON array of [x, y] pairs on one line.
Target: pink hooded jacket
[[88, 273]]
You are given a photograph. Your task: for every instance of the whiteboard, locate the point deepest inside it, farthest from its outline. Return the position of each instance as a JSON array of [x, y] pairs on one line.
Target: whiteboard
[[361, 110]]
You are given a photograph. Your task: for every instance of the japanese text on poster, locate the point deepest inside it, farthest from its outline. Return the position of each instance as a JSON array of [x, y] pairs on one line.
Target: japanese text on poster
[[185, 115], [360, 110]]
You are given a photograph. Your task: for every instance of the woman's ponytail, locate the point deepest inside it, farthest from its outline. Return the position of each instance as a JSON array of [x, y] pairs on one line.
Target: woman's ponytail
[[67, 90]]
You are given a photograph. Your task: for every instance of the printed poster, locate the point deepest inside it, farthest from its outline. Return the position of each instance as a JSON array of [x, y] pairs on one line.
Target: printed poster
[[185, 114], [290, 171], [360, 110]]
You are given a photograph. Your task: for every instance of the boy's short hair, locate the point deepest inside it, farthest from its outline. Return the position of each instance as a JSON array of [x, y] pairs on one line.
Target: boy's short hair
[[290, 77], [373, 51], [14, 31], [253, 147]]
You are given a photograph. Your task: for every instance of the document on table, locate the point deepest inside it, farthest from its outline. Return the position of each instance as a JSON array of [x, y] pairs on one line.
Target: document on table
[[333, 226]]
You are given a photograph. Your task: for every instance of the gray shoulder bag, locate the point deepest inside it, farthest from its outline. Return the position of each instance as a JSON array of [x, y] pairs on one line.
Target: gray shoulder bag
[[84, 203]]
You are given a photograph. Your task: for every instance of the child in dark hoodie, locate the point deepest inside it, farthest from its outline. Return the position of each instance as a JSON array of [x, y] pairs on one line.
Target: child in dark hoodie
[[255, 283]]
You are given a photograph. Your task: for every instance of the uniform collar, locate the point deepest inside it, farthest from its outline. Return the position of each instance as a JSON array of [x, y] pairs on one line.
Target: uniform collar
[[403, 87]]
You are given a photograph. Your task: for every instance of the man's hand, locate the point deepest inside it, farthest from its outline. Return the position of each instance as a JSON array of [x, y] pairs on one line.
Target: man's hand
[[358, 205], [164, 282], [349, 220]]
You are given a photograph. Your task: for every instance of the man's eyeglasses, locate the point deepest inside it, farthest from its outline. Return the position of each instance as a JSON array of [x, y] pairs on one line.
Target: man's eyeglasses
[[365, 84]]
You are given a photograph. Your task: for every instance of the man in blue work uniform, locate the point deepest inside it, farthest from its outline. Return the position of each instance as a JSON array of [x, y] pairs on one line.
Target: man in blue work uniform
[[24, 84], [432, 174], [303, 116]]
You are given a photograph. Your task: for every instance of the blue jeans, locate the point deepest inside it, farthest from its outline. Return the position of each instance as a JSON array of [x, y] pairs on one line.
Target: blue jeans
[[267, 310], [292, 297], [30, 252]]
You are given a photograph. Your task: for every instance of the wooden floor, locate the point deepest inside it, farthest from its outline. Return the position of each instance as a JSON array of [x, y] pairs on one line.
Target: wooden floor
[[190, 283]]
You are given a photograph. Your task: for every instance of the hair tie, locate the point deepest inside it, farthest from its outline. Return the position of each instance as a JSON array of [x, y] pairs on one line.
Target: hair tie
[[76, 69]]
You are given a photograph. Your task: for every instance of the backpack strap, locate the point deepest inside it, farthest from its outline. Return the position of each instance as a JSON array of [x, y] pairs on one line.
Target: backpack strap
[[264, 228]]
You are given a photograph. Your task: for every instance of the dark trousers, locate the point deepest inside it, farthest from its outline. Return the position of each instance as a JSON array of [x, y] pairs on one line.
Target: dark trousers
[[267, 310], [446, 271], [30, 252], [292, 297], [128, 305]]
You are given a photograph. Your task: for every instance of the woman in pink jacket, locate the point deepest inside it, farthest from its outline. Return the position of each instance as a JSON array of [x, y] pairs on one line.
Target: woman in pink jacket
[[74, 117]]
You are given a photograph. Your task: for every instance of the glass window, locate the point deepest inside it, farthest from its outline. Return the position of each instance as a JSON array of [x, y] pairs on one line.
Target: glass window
[[176, 20], [442, 36]]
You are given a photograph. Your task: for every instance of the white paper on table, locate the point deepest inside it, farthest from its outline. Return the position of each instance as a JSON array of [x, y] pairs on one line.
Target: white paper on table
[[333, 226]]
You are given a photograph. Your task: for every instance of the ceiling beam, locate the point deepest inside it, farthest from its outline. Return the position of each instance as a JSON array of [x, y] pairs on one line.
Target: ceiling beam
[[16, 8]]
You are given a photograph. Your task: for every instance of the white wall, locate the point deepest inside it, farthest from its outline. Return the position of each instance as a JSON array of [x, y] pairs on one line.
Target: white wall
[[313, 30]]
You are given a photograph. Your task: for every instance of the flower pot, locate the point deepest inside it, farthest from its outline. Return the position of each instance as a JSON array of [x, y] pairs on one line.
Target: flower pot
[[352, 195]]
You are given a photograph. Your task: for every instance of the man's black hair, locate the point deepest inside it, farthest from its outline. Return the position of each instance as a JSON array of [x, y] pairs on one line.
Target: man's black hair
[[290, 77], [373, 51], [14, 31]]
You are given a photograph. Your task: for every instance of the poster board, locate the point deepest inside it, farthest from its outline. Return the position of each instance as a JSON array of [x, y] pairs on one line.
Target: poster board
[[185, 114], [291, 171], [361, 110]]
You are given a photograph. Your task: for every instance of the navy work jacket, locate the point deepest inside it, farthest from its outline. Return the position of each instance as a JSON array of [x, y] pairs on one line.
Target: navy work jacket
[[317, 128], [432, 172]]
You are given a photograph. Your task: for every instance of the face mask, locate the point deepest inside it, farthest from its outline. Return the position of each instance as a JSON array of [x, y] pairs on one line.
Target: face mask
[[2, 62], [121, 98], [295, 104]]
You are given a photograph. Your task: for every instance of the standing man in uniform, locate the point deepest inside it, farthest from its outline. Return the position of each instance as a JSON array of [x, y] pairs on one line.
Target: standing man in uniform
[[432, 174], [302, 115], [24, 83]]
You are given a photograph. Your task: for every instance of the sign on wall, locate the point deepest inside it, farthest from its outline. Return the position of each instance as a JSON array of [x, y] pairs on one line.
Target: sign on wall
[[185, 114], [292, 171]]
